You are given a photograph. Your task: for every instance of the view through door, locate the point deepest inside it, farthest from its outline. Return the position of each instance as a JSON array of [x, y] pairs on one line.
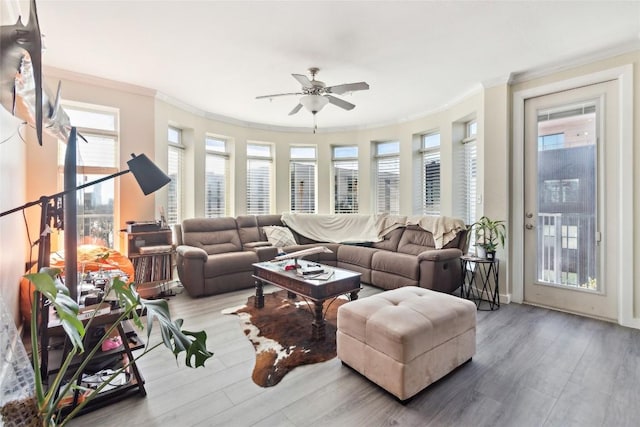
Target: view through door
[[569, 165]]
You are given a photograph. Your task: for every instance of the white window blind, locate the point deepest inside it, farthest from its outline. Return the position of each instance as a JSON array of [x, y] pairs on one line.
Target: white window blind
[[345, 178], [95, 159], [259, 179], [388, 177], [431, 174], [466, 179], [216, 178], [175, 170], [302, 170]]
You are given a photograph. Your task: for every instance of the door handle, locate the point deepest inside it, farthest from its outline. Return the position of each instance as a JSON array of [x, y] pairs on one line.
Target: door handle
[[529, 215], [529, 226]]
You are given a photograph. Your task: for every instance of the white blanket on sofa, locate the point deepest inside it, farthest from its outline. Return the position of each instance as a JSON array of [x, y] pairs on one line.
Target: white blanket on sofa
[[358, 228], [343, 228]]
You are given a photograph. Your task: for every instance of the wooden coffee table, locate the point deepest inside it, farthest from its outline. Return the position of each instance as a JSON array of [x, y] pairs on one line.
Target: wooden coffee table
[[317, 288]]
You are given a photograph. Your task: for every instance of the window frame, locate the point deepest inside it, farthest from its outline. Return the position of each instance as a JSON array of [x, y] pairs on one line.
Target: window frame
[[217, 156], [350, 194], [270, 161], [429, 153], [178, 149], [379, 159], [96, 171], [311, 161]]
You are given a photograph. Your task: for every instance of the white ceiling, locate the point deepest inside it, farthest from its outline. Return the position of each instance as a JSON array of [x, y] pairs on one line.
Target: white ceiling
[[417, 56]]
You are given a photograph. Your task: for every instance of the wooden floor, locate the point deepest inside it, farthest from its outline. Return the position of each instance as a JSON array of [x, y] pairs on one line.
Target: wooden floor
[[533, 367]]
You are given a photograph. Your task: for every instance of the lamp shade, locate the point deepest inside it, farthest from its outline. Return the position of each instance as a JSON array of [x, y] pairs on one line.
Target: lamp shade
[[314, 103], [150, 178]]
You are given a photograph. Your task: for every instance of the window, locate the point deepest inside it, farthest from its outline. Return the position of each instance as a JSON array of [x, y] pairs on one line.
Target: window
[[550, 142], [387, 159], [95, 159], [466, 178], [302, 169], [259, 179], [569, 236], [216, 184], [175, 170], [431, 174], [345, 179]]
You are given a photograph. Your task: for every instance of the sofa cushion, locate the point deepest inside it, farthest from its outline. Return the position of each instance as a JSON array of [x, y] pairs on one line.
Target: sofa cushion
[[229, 263], [213, 235], [415, 240], [390, 240], [279, 236], [396, 263], [248, 229]]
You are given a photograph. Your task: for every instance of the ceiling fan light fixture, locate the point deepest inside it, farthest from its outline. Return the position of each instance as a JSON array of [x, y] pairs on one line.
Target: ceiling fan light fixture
[[314, 103]]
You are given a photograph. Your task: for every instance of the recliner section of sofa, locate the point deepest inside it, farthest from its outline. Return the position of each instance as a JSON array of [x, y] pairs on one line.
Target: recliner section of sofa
[[215, 255]]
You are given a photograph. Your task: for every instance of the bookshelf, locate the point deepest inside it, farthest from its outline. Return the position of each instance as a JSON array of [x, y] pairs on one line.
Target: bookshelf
[[151, 253]]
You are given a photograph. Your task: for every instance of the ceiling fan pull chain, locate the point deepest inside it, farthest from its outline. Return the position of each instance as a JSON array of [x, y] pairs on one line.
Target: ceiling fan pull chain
[[315, 124]]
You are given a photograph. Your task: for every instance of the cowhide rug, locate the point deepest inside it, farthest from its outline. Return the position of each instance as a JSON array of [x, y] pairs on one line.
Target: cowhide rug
[[281, 334]]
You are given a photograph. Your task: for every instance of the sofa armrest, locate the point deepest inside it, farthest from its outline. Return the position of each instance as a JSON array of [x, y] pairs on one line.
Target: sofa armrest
[[252, 245], [440, 269], [439, 255], [192, 252], [265, 253], [190, 263]]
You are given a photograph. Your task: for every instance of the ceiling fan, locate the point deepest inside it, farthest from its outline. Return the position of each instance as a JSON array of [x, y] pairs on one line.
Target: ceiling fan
[[317, 94]]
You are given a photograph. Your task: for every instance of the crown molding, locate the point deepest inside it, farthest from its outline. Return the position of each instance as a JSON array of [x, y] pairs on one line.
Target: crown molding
[[595, 56], [60, 73]]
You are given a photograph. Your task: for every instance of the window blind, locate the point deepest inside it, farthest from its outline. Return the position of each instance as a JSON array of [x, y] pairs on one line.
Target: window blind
[[259, 173], [345, 177], [388, 185], [175, 170], [303, 186], [216, 185], [431, 182]]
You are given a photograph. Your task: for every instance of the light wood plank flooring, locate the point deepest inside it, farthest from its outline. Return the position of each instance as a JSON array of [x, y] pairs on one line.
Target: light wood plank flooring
[[533, 367]]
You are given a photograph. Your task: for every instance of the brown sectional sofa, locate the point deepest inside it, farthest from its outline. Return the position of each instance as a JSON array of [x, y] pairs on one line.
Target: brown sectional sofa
[[215, 255]]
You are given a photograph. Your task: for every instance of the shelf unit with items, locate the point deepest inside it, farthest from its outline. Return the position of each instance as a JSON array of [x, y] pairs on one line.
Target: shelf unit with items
[[151, 253], [104, 362]]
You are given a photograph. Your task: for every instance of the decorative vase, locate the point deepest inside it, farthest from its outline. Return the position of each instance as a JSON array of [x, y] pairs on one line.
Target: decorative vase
[[481, 252], [491, 255]]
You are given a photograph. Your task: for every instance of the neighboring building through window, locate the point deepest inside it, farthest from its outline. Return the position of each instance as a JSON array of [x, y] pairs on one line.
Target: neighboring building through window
[[259, 179], [216, 178], [387, 161], [175, 170], [302, 170], [95, 159], [431, 174], [345, 179]]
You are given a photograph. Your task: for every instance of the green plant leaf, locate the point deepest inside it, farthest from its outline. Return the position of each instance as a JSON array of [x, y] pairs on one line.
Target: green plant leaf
[[173, 337], [47, 283]]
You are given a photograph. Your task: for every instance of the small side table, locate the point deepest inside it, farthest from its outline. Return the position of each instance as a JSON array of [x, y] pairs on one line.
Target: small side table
[[480, 281]]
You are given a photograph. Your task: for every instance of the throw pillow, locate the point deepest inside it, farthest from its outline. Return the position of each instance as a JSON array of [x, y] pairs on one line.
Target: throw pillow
[[279, 236]]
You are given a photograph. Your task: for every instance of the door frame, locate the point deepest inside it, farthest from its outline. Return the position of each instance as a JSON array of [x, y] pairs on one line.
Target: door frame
[[624, 77]]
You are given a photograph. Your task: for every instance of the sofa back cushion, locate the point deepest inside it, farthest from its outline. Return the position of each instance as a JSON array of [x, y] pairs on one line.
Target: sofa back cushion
[[459, 242], [214, 235], [390, 240], [248, 229], [415, 240]]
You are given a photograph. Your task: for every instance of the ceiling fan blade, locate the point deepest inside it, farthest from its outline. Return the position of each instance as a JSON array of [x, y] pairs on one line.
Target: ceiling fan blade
[[304, 80], [347, 87], [340, 103], [295, 109], [279, 94]]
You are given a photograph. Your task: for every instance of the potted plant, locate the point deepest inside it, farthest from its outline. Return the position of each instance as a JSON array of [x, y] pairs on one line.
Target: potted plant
[[46, 402], [488, 235]]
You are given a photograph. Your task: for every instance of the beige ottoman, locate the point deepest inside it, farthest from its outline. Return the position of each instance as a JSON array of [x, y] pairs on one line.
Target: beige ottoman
[[407, 338]]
